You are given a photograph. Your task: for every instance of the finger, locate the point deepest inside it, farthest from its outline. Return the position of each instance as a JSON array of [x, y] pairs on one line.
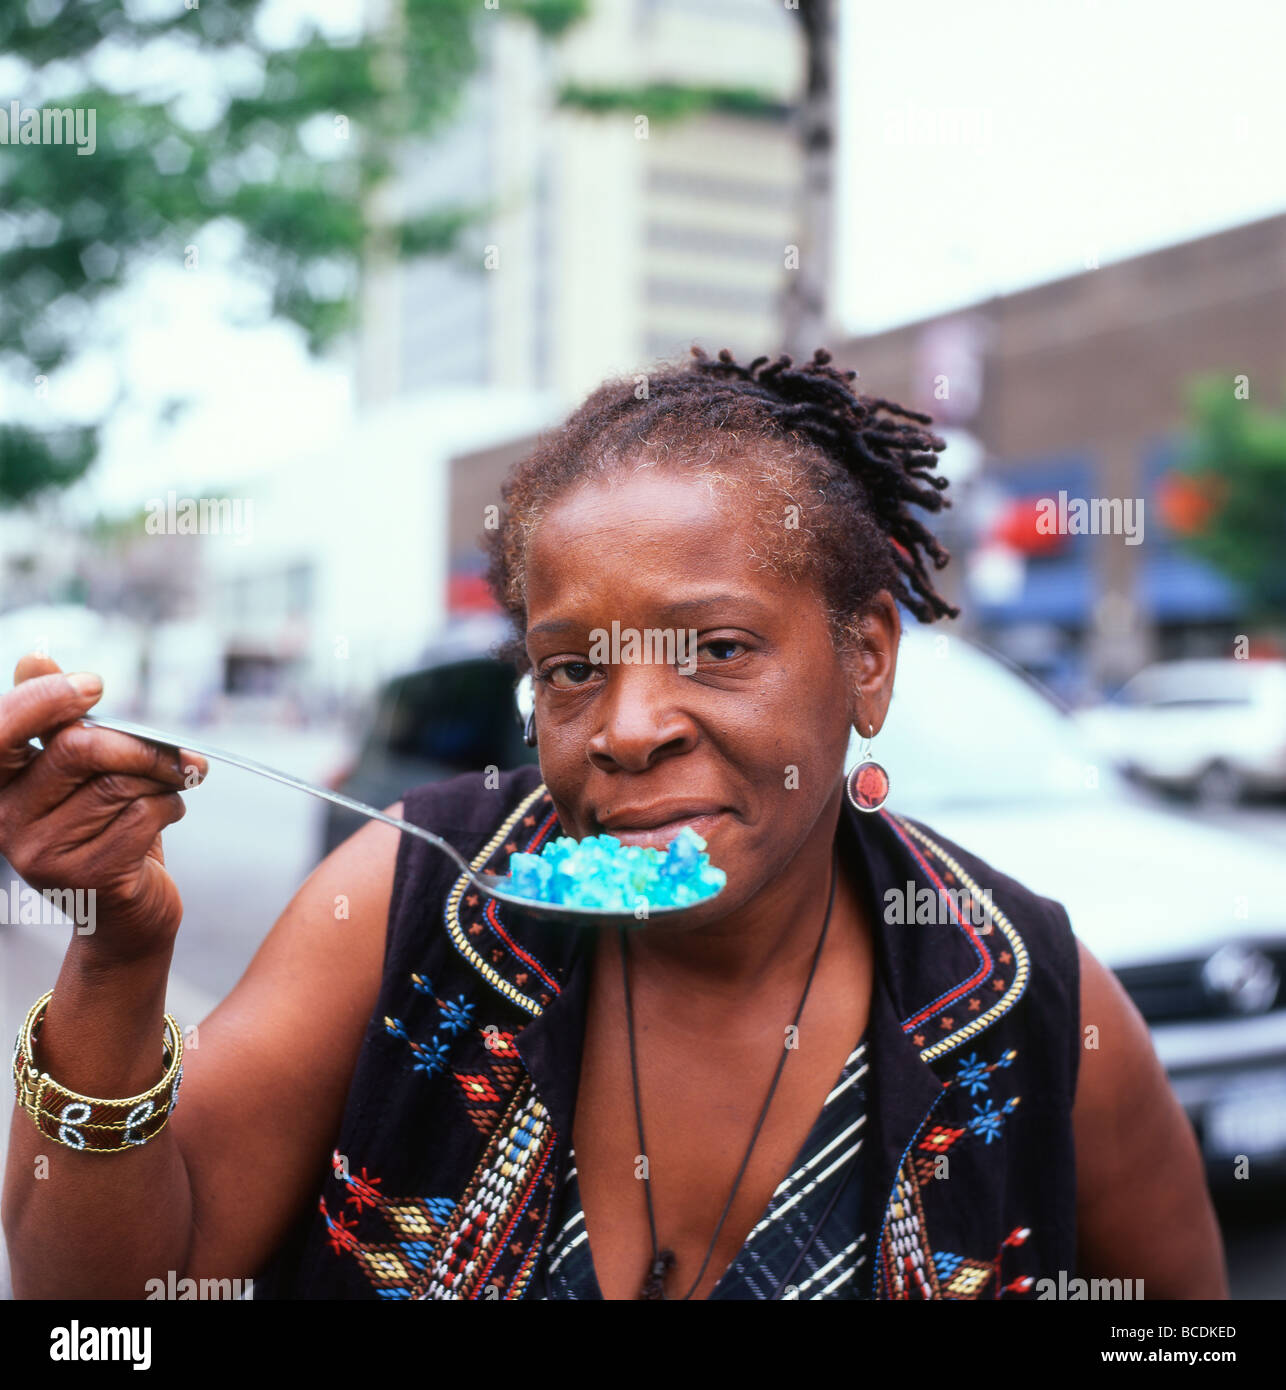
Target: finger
[[77, 753], [93, 807], [32, 665], [114, 861], [131, 833], [97, 833], [36, 707], [35, 665]]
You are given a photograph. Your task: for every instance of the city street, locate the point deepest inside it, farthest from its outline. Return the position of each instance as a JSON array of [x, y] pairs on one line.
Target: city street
[[246, 844]]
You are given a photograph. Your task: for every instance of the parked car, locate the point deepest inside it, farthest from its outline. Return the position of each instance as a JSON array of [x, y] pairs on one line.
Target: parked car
[[1213, 729], [1191, 918], [455, 714]]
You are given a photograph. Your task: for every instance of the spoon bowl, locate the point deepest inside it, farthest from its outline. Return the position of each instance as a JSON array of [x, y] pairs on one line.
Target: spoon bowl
[[569, 912]]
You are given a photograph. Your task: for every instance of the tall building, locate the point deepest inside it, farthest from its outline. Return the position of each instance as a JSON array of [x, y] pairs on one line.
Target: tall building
[[613, 237], [609, 240]]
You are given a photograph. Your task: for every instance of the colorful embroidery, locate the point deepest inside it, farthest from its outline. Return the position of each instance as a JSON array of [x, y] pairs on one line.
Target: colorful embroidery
[[459, 935], [392, 1266], [443, 1249], [939, 1139], [1016, 954], [429, 1058], [487, 1217], [906, 1267], [988, 1121], [964, 1278], [973, 1074], [457, 1015]]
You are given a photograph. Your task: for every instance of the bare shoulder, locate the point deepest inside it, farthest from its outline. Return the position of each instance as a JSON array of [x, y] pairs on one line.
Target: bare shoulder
[[265, 1084], [1143, 1209], [1117, 1052]]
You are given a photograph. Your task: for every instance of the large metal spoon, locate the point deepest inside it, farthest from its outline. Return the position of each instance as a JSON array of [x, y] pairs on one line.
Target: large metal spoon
[[492, 884]]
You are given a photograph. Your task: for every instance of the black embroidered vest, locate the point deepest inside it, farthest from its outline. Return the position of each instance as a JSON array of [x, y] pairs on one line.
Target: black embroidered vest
[[461, 1105]]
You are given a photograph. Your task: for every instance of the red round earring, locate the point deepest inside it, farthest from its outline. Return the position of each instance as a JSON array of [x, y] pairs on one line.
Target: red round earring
[[868, 783]]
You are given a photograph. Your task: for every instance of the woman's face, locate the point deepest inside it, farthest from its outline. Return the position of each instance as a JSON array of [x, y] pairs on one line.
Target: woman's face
[[744, 737]]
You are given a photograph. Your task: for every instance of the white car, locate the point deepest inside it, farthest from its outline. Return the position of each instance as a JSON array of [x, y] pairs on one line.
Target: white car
[[1216, 729], [1191, 918]]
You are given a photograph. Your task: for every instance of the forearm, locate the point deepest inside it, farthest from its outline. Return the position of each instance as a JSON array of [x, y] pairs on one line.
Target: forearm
[[97, 1225]]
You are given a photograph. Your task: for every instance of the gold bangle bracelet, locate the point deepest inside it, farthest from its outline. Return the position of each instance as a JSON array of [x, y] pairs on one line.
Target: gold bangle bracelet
[[90, 1123]]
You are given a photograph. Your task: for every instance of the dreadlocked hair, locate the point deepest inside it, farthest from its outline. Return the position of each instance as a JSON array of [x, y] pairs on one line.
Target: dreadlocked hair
[[850, 469]]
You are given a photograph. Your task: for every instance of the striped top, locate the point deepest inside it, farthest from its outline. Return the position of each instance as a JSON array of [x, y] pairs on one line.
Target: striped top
[[824, 1185]]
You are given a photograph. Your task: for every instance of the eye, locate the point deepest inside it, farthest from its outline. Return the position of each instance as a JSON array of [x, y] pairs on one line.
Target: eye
[[567, 675], [722, 648]]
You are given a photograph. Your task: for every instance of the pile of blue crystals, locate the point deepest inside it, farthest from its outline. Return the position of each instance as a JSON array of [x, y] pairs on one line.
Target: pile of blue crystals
[[601, 873]]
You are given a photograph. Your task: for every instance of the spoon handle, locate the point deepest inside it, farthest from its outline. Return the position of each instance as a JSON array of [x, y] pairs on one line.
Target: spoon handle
[[125, 726]]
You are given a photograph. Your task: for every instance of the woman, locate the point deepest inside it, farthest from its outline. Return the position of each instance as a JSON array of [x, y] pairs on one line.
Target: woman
[[787, 1092]]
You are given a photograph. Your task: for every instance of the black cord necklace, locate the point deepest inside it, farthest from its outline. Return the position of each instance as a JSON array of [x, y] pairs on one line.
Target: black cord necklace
[[663, 1260]]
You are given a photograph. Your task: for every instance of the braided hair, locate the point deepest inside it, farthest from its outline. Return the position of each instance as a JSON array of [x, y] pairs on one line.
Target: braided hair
[[834, 476]]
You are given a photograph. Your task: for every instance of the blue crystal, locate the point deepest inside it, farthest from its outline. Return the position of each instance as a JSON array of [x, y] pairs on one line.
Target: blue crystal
[[599, 872], [530, 874]]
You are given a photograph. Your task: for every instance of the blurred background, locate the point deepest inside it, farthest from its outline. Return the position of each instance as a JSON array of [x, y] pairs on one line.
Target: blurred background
[[286, 286]]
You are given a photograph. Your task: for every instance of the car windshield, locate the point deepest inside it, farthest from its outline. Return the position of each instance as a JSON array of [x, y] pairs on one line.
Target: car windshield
[[963, 728]]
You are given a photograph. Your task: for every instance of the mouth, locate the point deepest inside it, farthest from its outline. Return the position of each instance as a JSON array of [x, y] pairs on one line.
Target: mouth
[[658, 825]]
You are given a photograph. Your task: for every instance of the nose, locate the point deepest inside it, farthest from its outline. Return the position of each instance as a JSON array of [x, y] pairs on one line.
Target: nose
[[643, 720]]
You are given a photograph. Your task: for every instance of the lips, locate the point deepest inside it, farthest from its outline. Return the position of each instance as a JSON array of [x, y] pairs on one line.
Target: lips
[[658, 824]]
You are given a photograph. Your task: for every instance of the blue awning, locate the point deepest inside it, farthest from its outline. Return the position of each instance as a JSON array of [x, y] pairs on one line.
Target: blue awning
[[1054, 591], [1174, 586]]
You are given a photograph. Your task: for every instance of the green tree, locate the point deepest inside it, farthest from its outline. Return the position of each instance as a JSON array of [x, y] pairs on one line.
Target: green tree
[[75, 228], [1231, 501]]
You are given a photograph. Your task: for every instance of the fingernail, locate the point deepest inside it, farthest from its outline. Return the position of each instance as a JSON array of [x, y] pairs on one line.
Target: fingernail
[[84, 683], [192, 762]]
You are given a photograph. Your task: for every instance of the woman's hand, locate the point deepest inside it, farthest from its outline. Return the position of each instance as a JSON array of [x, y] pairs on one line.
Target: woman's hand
[[86, 812], [264, 1092]]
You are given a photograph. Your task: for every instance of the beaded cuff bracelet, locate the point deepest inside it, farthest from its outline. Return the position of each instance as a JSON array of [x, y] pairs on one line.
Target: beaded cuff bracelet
[[86, 1122]]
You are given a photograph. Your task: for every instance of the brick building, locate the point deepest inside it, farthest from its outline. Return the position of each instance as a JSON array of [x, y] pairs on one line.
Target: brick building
[[1078, 386]]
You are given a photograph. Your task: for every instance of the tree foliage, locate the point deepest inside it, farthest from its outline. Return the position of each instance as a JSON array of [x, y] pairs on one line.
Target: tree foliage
[[288, 143], [668, 101], [1236, 456]]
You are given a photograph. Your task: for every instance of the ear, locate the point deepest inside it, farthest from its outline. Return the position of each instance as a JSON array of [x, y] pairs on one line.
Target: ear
[[872, 665]]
